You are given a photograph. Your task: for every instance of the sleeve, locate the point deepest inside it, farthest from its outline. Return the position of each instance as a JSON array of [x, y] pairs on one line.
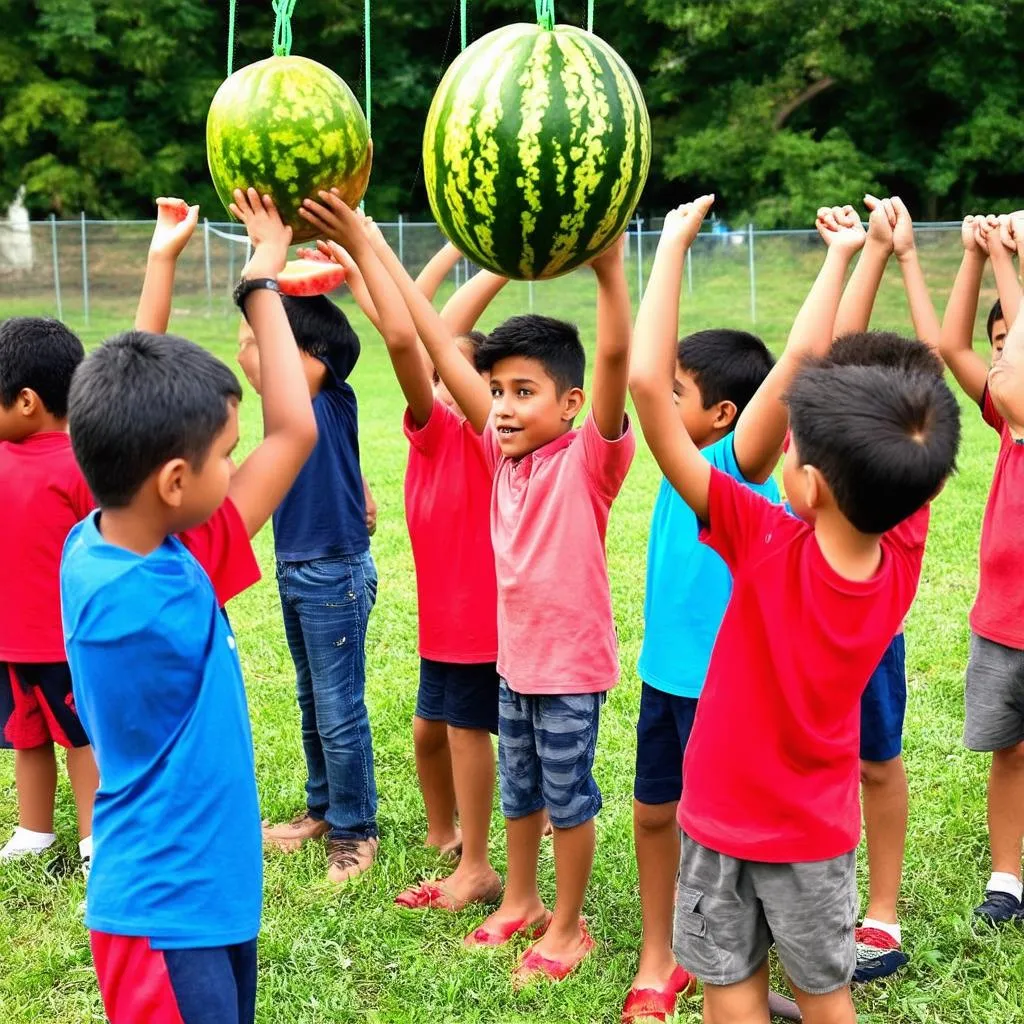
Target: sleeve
[[428, 438], [79, 496], [607, 462], [741, 522], [989, 412], [222, 547], [492, 449], [906, 541]]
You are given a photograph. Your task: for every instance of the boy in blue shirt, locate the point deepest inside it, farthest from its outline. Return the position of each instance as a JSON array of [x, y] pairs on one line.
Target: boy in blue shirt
[[174, 896], [739, 426], [328, 584]]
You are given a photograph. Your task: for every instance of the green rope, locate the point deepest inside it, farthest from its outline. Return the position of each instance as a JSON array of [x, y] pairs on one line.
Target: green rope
[[462, 13], [545, 13], [366, 31], [231, 35], [283, 26], [590, 15]]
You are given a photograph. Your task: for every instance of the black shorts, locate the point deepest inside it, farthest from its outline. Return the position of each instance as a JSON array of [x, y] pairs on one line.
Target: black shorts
[[465, 696], [662, 732], [36, 706]]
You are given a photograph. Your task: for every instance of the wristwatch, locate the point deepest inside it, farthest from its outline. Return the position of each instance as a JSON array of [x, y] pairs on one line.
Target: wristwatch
[[247, 285]]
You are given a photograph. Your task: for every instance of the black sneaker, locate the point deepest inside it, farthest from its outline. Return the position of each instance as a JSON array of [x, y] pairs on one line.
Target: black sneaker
[[999, 908]]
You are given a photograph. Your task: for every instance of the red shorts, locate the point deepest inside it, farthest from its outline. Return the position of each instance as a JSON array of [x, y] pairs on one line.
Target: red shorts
[[36, 706], [143, 985]]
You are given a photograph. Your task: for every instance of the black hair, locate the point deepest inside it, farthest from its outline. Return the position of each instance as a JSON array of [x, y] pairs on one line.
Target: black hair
[[883, 348], [994, 314], [475, 338], [39, 354], [884, 440], [727, 365], [322, 330], [555, 344], [141, 400]]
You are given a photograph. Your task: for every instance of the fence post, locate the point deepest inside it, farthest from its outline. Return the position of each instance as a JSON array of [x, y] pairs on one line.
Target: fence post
[[639, 260], [753, 275], [85, 273], [401, 242], [529, 289], [209, 269], [56, 266], [231, 266], [689, 270]]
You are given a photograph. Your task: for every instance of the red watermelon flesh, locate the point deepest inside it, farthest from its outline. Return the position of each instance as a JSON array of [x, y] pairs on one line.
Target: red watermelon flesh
[[177, 208], [310, 276]]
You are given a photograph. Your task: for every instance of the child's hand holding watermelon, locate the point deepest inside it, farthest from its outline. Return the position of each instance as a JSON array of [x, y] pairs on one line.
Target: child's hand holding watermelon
[[270, 237], [175, 222]]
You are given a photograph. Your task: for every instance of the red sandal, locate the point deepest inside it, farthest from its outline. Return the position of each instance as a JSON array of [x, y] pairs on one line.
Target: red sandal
[[484, 936], [658, 1003], [533, 965], [430, 895]]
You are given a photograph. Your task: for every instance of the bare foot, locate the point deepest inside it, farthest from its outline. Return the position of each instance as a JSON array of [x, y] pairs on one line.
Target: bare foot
[[562, 945], [448, 846], [654, 972], [510, 920], [471, 885]]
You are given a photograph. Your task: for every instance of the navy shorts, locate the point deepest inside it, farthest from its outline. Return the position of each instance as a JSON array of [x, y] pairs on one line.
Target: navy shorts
[[884, 705], [546, 747], [36, 706], [465, 696], [186, 986], [662, 732]]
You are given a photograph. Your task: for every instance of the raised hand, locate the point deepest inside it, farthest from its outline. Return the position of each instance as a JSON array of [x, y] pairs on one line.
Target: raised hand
[[841, 229], [270, 237], [903, 242], [175, 222], [881, 222], [333, 217], [682, 225], [969, 236], [614, 256]]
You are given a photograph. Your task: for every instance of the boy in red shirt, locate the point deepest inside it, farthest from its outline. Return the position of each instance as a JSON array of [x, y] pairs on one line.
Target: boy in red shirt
[[770, 811], [44, 495], [557, 654], [995, 670]]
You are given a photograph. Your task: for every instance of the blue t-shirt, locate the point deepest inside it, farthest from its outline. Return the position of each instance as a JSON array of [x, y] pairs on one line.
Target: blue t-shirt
[[323, 515], [177, 853], [688, 586]]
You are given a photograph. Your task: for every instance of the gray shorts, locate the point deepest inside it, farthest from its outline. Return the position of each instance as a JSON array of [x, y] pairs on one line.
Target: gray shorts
[[994, 696], [729, 912]]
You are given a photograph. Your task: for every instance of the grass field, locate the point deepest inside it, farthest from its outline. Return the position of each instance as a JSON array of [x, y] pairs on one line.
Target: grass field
[[352, 956]]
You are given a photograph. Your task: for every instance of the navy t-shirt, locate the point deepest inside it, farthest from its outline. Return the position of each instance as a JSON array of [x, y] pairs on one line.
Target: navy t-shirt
[[324, 513]]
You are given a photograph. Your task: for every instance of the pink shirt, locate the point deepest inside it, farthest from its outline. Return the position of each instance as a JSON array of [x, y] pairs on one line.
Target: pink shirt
[[549, 515], [447, 506]]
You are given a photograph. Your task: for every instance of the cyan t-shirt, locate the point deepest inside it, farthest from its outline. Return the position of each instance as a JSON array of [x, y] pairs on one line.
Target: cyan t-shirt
[[688, 586], [158, 686]]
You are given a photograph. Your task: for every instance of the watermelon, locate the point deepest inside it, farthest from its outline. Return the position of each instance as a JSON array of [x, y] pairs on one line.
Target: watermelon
[[536, 150], [290, 127], [177, 208], [310, 275]]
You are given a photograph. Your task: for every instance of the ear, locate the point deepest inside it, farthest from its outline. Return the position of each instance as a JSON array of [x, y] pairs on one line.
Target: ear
[[724, 415], [816, 491], [170, 482], [28, 403], [572, 402]]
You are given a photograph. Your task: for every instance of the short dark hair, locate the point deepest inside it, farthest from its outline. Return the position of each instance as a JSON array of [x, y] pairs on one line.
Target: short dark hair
[[322, 330], [555, 344], [39, 354], [884, 440], [141, 400], [727, 365], [883, 348], [475, 338], [994, 314]]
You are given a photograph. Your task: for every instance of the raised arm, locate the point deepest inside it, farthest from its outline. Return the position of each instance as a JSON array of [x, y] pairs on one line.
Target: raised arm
[[440, 265], [353, 232], [353, 279], [467, 305], [175, 222], [1001, 249], [761, 427], [614, 334], [289, 427], [922, 309], [956, 341], [859, 296], [1006, 378], [653, 362]]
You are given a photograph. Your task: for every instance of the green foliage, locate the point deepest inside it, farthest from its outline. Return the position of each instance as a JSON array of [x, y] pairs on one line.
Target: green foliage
[[777, 105]]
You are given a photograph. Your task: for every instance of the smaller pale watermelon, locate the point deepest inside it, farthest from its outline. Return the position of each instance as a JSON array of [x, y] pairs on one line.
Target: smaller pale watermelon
[[310, 275]]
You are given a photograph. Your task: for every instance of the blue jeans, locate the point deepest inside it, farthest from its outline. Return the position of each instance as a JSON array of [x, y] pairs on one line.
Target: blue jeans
[[326, 605]]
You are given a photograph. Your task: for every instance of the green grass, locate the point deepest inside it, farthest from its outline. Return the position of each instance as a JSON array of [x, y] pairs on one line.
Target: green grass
[[352, 956]]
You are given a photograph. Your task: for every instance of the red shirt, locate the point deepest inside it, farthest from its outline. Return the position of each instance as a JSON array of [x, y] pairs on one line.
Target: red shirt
[[771, 769], [223, 548], [447, 508], [42, 496], [998, 612], [549, 515]]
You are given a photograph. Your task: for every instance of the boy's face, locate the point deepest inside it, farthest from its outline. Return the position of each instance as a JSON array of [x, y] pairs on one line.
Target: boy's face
[[441, 393], [999, 332], [528, 411], [703, 425], [200, 492]]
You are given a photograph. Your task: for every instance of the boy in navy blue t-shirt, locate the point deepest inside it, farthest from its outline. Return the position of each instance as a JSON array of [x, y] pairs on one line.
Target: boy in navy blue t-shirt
[[175, 893], [328, 585]]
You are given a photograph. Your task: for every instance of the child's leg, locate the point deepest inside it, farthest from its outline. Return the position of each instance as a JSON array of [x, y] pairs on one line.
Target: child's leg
[[745, 1002], [1006, 809], [85, 780], [433, 755], [35, 777], [832, 1008], [885, 795]]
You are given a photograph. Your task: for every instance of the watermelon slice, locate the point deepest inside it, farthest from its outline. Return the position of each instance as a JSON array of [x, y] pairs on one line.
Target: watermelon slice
[[177, 208], [313, 274]]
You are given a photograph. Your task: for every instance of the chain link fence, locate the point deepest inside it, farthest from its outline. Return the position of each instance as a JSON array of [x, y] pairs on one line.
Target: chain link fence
[[86, 271]]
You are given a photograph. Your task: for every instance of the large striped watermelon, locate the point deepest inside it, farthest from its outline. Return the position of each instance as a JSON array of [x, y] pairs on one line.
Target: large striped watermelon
[[288, 126], [536, 149]]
